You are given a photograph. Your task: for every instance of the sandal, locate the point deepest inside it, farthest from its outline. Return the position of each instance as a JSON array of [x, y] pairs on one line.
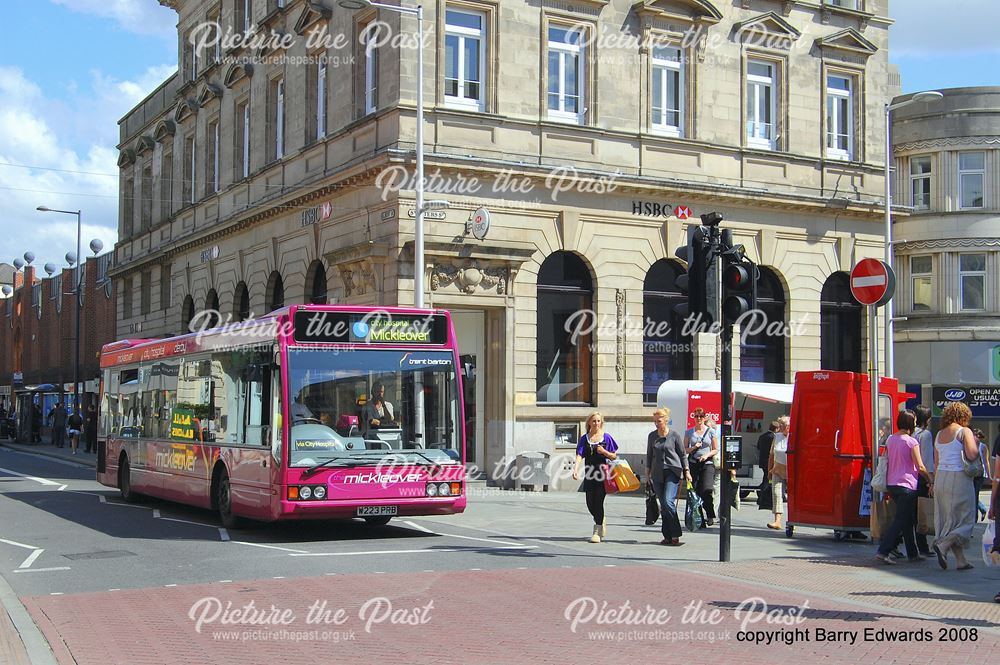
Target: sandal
[[967, 566], [942, 561], [776, 527]]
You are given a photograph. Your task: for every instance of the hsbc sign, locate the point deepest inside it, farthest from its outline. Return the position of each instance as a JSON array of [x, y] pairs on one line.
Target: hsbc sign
[[320, 213], [660, 209]]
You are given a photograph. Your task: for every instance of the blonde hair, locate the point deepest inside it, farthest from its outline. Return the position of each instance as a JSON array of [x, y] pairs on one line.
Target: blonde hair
[[591, 417], [956, 412], [784, 420], [662, 411]]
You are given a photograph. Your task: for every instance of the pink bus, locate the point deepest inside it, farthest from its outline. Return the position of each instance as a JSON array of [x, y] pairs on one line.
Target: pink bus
[[312, 412]]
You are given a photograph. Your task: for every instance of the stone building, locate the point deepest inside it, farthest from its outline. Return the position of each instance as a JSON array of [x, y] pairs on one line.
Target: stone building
[[947, 251], [593, 131]]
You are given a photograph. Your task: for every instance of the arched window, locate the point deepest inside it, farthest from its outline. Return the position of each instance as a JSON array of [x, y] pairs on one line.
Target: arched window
[[316, 284], [275, 292], [212, 307], [187, 314], [563, 357], [666, 353], [241, 303], [762, 353], [840, 325]]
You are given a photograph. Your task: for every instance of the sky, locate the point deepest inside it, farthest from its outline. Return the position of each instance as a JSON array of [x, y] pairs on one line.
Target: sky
[[70, 69]]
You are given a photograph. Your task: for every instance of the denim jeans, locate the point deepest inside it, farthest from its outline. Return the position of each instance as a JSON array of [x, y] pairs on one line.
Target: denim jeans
[[666, 492], [903, 523]]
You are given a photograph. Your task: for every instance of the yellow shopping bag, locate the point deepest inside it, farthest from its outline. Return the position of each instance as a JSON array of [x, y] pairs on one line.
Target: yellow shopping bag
[[624, 477]]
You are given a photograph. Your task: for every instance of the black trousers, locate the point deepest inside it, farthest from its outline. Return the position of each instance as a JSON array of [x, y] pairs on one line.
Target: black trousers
[[595, 499], [703, 474], [922, 491]]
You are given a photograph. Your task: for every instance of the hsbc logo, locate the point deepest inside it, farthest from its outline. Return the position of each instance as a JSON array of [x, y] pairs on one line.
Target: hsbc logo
[[954, 394], [658, 209]]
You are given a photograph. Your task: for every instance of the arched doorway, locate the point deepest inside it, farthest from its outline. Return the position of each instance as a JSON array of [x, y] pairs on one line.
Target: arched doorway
[[762, 354], [275, 292], [563, 359], [212, 314], [187, 314], [840, 325], [316, 284], [666, 353], [241, 302]]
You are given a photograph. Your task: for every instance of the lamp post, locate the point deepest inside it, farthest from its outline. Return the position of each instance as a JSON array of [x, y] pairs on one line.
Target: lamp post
[[76, 291], [930, 96], [418, 232]]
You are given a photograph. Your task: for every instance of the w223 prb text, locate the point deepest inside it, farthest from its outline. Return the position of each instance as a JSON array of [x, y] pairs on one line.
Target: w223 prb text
[[790, 637]]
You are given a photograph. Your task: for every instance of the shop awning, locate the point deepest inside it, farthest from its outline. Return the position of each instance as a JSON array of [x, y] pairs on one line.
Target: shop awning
[[780, 393]]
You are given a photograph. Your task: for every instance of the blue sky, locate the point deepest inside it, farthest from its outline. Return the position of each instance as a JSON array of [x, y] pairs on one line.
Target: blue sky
[[69, 69]]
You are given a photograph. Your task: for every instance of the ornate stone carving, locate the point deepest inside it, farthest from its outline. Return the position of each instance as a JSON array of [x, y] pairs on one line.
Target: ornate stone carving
[[470, 277], [358, 278]]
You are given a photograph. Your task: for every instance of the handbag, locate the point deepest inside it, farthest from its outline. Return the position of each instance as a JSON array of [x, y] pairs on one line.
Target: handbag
[[973, 469], [779, 471], [692, 510], [624, 477], [652, 505], [880, 479], [925, 516], [883, 512], [610, 486]]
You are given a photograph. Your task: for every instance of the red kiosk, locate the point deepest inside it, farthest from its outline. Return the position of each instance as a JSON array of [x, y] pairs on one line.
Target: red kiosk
[[830, 450]]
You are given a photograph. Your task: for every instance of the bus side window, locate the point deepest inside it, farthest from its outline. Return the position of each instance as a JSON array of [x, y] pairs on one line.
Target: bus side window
[[257, 407]]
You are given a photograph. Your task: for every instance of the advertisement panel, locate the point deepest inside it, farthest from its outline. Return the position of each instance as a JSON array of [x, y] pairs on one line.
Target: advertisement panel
[[984, 401]]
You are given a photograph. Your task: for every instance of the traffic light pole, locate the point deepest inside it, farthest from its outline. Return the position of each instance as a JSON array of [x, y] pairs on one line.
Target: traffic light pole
[[726, 499]]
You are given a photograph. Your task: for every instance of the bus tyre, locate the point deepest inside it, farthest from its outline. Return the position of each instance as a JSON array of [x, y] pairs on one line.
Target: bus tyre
[[125, 482], [381, 520], [224, 500]]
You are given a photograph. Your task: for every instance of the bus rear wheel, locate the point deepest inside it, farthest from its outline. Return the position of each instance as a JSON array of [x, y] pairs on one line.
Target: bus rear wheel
[[224, 501], [380, 520], [129, 495]]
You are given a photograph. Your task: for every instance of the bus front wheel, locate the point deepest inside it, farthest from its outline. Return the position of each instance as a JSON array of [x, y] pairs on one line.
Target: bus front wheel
[[381, 520], [125, 482], [224, 500]]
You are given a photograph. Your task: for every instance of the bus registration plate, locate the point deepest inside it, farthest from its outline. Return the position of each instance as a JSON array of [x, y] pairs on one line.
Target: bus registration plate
[[377, 511]]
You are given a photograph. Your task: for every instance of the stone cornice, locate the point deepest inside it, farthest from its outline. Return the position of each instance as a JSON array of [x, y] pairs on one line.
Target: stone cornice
[[701, 10], [928, 144], [948, 243]]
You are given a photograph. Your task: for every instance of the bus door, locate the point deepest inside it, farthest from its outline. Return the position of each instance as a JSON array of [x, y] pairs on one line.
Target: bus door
[[252, 465]]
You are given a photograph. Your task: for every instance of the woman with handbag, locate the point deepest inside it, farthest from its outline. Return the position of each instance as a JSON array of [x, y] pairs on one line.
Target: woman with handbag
[[595, 449], [777, 470], [956, 464], [667, 466], [903, 466], [701, 445]]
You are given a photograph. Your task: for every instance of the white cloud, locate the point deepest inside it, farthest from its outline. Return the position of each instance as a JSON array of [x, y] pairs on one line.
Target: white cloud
[[144, 17], [924, 28], [73, 140]]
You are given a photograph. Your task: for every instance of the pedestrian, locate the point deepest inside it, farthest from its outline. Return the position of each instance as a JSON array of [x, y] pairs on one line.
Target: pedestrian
[[57, 420], [667, 466], [764, 443], [995, 506], [74, 425], [904, 465], [90, 428], [701, 446], [36, 423], [926, 440], [595, 449], [979, 481], [777, 470], [954, 505]]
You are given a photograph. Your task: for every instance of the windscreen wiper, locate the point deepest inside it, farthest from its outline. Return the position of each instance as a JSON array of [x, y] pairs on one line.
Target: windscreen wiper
[[340, 462]]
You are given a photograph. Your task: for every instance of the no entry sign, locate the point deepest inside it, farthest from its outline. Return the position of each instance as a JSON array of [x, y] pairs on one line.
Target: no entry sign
[[872, 282]]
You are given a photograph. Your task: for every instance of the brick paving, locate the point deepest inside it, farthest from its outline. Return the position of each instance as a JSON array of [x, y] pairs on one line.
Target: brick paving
[[480, 618], [12, 650]]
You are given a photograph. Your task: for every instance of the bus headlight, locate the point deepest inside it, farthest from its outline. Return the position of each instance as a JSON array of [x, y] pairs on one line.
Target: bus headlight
[[319, 492], [432, 489], [305, 492], [444, 489]]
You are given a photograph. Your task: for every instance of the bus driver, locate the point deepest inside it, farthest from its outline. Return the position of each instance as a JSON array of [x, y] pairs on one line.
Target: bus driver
[[378, 411]]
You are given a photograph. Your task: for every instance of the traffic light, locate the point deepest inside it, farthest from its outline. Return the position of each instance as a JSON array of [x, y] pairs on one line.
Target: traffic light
[[739, 281], [699, 281]]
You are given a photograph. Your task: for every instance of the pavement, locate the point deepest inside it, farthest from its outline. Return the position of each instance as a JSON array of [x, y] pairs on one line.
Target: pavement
[[779, 599]]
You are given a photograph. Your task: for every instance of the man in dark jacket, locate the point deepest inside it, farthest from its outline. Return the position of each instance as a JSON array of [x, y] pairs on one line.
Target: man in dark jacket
[[764, 443], [90, 429], [57, 418]]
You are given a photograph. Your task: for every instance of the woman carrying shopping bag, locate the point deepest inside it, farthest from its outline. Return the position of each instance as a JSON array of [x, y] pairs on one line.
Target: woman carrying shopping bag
[[956, 461], [701, 445], [595, 449], [667, 466], [904, 465]]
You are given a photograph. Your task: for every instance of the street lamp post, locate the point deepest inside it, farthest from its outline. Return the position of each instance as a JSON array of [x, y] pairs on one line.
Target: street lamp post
[[76, 291], [418, 232], [930, 96]]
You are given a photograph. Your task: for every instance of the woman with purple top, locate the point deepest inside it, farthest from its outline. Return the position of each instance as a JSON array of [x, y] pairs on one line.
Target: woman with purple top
[[905, 465], [595, 449]]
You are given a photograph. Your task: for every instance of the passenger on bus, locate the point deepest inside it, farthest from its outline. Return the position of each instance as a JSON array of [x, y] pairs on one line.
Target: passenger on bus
[[378, 412]]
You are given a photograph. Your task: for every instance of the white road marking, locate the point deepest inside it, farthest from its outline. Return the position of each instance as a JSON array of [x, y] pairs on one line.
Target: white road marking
[[224, 581], [223, 534], [269, 547], [56, 593], [278, 577], [485, 540], [17, 544], [43, 481], [156, 514], [475, 568], [31, 558], [41, 570], [421, 551], [104, 499], [417, 526], [169, 585], [62, 487], [174, 519]]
